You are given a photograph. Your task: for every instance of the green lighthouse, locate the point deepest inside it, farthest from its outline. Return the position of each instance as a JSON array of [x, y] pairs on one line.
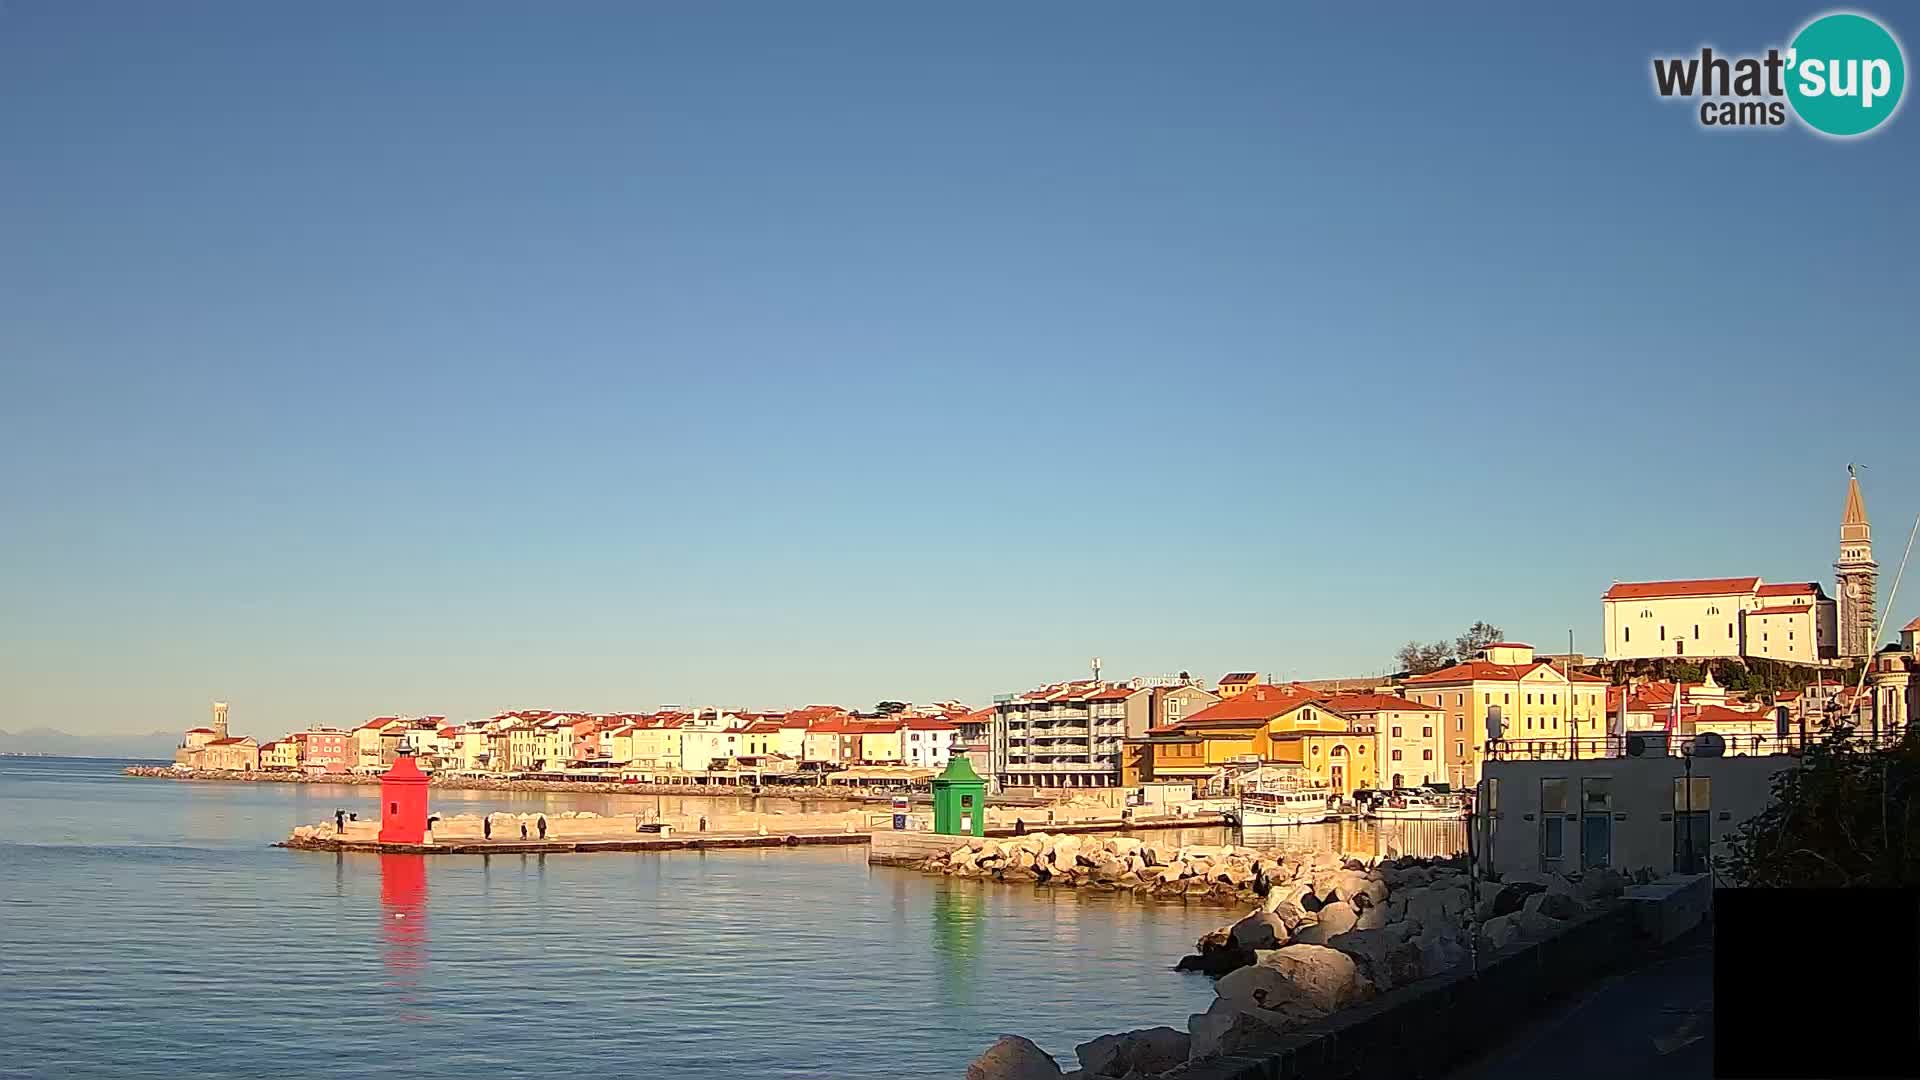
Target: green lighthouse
[[960, 800]]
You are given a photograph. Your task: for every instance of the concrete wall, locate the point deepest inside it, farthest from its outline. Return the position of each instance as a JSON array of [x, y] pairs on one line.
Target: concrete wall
[[1419, 1030], [1642, 822]]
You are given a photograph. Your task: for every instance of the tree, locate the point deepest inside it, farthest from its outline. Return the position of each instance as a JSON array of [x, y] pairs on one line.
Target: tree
[[1418, 659], [888, 708], [1841, 818], [1478, 636]]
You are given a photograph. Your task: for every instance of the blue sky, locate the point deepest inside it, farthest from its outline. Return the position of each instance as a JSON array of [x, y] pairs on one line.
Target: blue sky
[[477, 356]]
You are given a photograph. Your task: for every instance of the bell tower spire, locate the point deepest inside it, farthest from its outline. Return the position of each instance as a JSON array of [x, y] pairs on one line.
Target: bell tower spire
[[1855, 573]]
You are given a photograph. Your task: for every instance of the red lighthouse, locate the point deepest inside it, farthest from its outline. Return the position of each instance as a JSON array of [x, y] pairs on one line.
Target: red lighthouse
[[403, 795]]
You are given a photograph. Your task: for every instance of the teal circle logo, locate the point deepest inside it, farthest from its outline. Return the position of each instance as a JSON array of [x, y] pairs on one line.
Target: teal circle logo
[[1845, 73]]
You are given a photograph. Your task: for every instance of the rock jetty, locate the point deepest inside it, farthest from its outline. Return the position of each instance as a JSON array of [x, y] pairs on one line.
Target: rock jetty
[[1325, 934], [1224, 874]]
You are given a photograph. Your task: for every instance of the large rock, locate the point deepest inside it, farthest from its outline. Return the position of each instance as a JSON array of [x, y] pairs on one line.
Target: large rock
[[1013, 1058], [1149, 1050], [1289, 895], [1440, 951], [1336, 918], [1436, 904], [1260, 930], [1224, 1029], [1388, 957], [1600, 885], [1554, 905], [1299, 976]]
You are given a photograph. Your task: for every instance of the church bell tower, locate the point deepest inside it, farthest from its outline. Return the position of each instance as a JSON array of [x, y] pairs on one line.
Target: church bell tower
[[1855, 574]]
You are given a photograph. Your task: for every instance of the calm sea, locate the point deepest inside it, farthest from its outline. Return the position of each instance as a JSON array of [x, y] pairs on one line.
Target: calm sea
[[147, 928]]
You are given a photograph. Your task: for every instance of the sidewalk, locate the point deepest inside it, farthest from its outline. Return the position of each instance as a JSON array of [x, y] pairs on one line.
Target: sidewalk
[[1652, 1023]]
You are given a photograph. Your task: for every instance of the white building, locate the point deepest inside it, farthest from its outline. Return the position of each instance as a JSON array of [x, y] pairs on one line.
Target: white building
[[1719, 617], [926, 742]]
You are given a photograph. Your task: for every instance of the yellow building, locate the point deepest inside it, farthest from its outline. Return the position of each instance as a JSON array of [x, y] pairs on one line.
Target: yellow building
[[1540, 707], [283, 754], [656, 744], [1406, 736], [1236, 683], [1262, 725]]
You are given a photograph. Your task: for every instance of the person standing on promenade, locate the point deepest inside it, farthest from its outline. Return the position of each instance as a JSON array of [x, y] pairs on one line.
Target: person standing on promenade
[[339, 821], [703, 823], [542, 822], [523, 830], [486, 826], [1019, 827]]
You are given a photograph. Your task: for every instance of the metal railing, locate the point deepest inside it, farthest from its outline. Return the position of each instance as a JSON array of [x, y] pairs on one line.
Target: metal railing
[[1657, 744]]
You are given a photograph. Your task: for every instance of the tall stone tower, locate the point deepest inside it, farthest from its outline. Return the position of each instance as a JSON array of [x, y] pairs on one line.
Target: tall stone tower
[[219, 719], [1855, 574]]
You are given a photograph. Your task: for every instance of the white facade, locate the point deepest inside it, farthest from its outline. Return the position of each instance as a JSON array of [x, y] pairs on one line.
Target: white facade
[[927, 747], [1720, 617]]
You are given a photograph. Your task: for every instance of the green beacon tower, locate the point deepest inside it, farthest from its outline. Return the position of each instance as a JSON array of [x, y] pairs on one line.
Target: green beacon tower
[[959, 800]]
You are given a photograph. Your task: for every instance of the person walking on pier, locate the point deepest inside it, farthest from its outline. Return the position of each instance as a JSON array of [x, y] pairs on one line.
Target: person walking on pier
[[1019, 827], [339, 821], [486, 826], [542, 822], [523, 830]]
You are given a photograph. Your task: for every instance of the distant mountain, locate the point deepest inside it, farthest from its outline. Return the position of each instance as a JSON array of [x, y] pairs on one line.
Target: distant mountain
[[157, 746]]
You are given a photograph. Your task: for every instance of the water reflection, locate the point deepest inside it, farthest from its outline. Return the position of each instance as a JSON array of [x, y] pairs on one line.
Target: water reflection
[[1364, 839], [956, 938], [403, 907]]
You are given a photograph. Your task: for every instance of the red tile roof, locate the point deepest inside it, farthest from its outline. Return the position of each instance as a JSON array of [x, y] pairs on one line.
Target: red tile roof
[[928, 723], [1488, 671], [1712, 713], [1781, 609], [1914, 626], [1792, 588], [1258, 704], [209, 731], [229, 742], [1350, 703], [1653, 590]]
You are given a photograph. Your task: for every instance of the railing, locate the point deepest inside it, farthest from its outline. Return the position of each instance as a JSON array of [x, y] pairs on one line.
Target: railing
[[1658, 744]]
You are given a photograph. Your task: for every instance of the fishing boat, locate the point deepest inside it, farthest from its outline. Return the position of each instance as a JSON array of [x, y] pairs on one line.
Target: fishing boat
[[1418, 806], [1264, 806]]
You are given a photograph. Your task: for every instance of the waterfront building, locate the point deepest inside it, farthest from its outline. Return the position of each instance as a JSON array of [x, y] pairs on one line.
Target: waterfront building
[[1544, 708], [708, 738], [324, 750], [1407, 736], [281, 755], [1626, 813], [1855, 574], [1719, 617], [1072, 734], [367, 750], [656, 742], [214, 748], [1264, 729], [795, 725], [927, 742]]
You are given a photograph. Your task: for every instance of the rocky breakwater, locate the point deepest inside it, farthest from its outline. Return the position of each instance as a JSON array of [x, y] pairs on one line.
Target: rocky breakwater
[[1326, 934], [1223, 874]]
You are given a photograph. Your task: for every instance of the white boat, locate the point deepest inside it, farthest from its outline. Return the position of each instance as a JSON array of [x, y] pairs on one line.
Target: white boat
[[1418, 806], [1262, 807]]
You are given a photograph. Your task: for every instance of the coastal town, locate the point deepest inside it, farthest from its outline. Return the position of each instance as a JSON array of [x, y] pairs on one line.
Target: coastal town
[[1758, 664]]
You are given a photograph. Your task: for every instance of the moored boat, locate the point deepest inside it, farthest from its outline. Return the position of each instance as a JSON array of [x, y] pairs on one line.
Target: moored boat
[[1262, 807], [1418, 806]]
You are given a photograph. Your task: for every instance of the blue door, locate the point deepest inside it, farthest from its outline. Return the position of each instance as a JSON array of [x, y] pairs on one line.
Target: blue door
[[1596, 840]]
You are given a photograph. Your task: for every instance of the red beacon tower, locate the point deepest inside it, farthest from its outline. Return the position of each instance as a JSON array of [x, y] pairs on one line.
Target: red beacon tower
[[403, 798]]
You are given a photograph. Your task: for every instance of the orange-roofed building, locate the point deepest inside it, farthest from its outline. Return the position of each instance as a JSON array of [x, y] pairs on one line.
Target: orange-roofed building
[[1540, 705], [1235, 683], [1406, 736], [1287, 726]]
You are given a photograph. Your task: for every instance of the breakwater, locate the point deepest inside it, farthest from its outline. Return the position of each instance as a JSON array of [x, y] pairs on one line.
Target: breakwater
[[1332, 943]]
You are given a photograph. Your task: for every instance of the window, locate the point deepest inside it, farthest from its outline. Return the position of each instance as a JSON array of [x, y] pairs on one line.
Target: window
[[1663, 633], [1713, 611], [1396, 755], [1529, 723], [1396, 731], [1459, 699], [1696, 631], [1529, 699], [1426, 755], [1459, 723], [1506, 699], [1426, 732], [1556, 699], [1459, 749], [1553, 819], [916, 736], [1628, 632]]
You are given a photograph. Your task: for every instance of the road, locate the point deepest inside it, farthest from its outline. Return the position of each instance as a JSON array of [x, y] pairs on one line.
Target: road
[[1651, 1023]]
